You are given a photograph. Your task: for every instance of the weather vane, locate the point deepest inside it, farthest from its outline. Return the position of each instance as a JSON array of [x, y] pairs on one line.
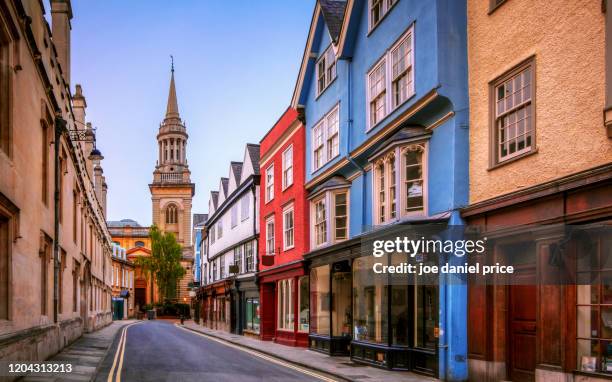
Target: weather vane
[[172, 61]]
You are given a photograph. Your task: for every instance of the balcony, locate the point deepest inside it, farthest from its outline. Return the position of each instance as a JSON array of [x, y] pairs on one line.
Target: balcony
[[170, 177]]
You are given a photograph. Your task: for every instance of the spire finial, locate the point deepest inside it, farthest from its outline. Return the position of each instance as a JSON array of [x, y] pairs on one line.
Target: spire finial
[[172, 63]]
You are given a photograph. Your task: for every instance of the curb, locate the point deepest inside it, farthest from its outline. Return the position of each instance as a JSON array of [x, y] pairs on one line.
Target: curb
[[270, 354]]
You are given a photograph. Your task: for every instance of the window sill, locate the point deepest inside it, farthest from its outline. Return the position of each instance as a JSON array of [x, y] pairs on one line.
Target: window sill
[[597, 374], [511, 160], [288, 248], [324, 165], [382, 121], [286, 187], [319, 94]]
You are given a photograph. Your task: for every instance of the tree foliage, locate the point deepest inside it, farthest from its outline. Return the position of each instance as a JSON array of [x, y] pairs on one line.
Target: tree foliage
[[164, 264]]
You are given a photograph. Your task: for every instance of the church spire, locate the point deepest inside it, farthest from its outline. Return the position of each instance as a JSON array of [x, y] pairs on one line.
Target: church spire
[[172, 110]]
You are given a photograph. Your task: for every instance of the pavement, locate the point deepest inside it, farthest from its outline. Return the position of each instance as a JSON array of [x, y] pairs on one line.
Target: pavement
[[340, 368], [85, 355], [162, 351]]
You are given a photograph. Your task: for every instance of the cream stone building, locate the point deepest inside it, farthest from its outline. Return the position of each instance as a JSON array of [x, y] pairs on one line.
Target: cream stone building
[[55, 249], [171, 190], [540, 83]]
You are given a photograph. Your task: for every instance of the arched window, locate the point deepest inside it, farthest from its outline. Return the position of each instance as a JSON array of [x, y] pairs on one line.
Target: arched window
[[171, 214], [139, 244]]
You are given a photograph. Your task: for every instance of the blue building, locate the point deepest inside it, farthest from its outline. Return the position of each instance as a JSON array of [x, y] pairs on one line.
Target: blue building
[[199, 221], [383, 86]]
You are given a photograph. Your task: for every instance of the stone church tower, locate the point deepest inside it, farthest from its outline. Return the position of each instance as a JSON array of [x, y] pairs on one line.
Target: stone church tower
[[172, 190]]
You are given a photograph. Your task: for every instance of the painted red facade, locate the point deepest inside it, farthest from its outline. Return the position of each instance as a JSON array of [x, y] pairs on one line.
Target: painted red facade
[[284, 264]]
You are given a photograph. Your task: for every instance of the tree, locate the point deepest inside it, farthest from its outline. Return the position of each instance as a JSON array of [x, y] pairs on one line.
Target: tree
[[164, 264]]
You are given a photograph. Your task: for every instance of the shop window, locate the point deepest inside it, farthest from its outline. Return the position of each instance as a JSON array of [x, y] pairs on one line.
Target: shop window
[[342, 310], [252, 314], [303, 290], [594, 305], [370, 302], [285, 304], [320, 300]]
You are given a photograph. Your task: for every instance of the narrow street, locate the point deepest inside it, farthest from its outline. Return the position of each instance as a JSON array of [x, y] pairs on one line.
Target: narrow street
[[162, 351]]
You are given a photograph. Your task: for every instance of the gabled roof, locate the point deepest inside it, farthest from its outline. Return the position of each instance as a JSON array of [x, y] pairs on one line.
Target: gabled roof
[[253, 151], [331, 184], [333, 13], [214, 196], [236, 168], [224, 182]]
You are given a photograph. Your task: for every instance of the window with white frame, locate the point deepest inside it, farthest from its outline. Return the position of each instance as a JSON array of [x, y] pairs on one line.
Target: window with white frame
[[285, 305], [234, 215], [221, 266], [212, 235], [326, 139], [288, 225], [388, 202], [330, 217], [270, 183], [326, 69], [219, 229], [270, 235], [244, 207], [320, 222], [391, 81], [379, 8], [514, 125], [248, 257], [238, 258], [288, 167]]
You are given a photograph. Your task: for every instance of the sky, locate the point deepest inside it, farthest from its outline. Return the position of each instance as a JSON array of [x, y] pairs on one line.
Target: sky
[[236, 63]]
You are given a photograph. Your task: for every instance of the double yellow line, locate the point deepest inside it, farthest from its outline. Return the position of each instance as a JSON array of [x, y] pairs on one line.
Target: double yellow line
[[263, 356], [119, 355]]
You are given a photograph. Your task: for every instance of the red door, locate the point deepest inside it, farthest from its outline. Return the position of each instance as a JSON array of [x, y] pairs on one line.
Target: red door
[[522, 313]]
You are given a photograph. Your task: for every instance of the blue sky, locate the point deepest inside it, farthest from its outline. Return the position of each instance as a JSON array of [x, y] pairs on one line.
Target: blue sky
[[236, 64]]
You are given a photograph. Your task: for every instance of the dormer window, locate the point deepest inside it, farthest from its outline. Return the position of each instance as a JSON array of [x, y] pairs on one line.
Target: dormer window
[[326, 69], [378, 9]]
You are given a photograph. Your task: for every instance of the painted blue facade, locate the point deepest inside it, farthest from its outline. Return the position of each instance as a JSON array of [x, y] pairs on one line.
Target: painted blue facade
[[439, 104], [197, 240]]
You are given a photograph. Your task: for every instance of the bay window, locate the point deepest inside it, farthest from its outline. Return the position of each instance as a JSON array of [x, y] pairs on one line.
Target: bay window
[[270, 236], [326, 139], [288, 225], [285, 304], [391, 81], [390, 202], [330, 218]]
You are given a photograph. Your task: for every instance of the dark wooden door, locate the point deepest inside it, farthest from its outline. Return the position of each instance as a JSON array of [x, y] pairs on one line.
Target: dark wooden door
[[522, 314]]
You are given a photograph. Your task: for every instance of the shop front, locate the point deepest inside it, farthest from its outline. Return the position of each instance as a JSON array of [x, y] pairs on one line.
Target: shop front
[[215, 306], [284, 304], [552, 319], [245, 306], [383, 320]]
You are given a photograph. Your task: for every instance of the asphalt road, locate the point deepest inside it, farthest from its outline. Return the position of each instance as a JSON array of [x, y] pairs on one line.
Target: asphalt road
[[161, 351]]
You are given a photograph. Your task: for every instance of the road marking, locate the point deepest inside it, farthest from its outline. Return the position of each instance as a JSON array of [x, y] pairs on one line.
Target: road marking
[[119, 355], [262, 356]]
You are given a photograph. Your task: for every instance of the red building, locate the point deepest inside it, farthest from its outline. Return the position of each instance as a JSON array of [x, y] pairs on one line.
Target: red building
[[283, 240]]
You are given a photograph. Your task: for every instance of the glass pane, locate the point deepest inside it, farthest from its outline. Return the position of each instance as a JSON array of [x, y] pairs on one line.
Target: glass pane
[[426, 316], [588, 288], [606, 287], [587, 318], [399, 303], [370, 301], [303, 303], [341, 309], [588, 354], [319, 300], [606, 322]]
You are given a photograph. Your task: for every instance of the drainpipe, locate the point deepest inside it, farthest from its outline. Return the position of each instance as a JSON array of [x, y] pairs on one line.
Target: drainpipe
[[60, 127], [349, 102]]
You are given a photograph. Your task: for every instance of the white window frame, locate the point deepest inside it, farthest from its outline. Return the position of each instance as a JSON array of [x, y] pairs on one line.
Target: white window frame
[[287, 167], [219, 229], [245, 208], [387, 61], [270, 183], [330, 217], [270, 239], [329, 60], [397, 154], [213, 234], [249, 257], [288, 230], [234, 216], [286, 305], [386, 6], [328, 134]]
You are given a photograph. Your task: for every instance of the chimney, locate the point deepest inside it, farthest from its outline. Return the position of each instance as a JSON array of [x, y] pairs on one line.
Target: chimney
[[61, 14], [104, 192]]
